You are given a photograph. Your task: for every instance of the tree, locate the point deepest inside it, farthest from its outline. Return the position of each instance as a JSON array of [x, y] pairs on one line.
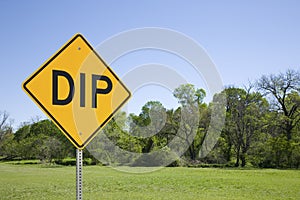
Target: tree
[[41, 140], [283, 89], [148, 124], [5, 125], [189, 131], [6, 135], [114, 145], [51, 148], [188, 95], [245, 110], [8, 146]]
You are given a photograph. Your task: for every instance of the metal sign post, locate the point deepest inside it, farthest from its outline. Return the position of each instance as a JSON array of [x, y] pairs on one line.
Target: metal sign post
[[79, 174]]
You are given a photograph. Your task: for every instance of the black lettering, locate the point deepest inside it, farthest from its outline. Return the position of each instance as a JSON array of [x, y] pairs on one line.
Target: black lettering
[[96, 90], [55, 100], [82, 90]]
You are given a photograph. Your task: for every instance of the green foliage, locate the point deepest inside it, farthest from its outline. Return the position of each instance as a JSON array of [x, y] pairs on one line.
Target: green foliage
[[283, 90], [262, 129], [41, 140], [192, 111], [245, 111], [187, 94], [8, 146], [157, 158]]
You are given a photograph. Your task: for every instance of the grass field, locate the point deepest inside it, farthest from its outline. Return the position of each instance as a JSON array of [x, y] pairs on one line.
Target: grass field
[[41, 182]]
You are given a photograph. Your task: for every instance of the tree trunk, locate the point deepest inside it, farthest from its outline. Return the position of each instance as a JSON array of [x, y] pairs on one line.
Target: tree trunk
[[243, 158], [148, 146], [289, 128], [237, 163], [228, 152], [192, 152]]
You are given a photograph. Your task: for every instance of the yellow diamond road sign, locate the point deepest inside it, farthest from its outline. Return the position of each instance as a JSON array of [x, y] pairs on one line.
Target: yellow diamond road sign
[[77, 90]]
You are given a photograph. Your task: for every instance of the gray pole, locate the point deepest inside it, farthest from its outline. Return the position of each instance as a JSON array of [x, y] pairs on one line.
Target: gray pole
[[79, 174]]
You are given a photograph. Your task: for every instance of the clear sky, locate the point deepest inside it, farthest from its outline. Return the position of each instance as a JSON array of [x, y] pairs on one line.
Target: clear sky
[[245, 39]]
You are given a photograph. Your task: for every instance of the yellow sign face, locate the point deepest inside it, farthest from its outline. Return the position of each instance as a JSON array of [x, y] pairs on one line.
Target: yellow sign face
[[77, 90]]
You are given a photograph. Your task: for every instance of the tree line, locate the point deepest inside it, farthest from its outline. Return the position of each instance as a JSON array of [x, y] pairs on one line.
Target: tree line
[[261, 128]]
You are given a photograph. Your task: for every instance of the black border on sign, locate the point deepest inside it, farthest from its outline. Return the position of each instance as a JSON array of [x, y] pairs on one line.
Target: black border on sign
[[49, 114]]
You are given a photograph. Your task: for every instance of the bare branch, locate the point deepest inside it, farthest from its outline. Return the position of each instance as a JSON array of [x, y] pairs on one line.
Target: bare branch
[[3, 119]]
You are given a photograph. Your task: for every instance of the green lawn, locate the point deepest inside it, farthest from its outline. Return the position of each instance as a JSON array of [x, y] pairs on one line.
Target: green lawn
[[40, 182]]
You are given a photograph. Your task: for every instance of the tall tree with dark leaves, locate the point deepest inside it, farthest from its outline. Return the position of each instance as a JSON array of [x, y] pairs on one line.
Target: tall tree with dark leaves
[[245, 110], [283, 90]]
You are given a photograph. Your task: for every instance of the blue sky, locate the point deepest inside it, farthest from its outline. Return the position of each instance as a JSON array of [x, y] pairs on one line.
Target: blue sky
[[245, 39]]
